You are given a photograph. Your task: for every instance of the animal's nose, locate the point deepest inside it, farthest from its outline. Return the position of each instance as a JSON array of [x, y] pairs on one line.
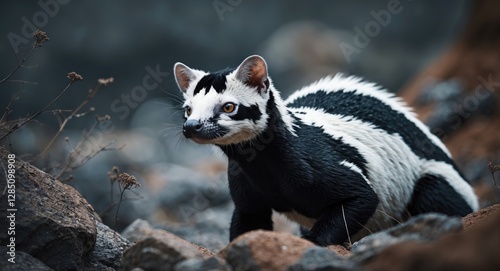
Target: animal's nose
[[192, 127]]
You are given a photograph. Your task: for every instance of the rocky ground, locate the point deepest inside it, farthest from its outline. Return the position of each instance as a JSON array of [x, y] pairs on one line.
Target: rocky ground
[[56, 229]]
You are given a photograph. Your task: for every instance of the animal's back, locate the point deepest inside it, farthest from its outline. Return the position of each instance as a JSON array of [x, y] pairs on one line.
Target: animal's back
[[402, 155]]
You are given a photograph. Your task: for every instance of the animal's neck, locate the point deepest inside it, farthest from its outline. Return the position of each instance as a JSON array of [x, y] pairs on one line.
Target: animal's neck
[[277, 133]]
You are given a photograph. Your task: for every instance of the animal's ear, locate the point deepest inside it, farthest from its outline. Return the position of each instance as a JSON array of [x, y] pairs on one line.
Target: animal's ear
[[183, 76], [253, 72]]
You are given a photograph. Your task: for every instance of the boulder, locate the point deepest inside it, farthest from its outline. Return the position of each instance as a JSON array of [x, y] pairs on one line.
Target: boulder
[[322, 259], [23, 261], [265, 250], [422, 228], [212, 263], [473, 249], [161, 250], [54, 223], [137, 231], [108, 249]]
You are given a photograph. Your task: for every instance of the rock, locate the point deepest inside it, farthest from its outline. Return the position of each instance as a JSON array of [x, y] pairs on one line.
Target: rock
[[477, 218], [108, 249], [425, 227], [161, 250], [472, 249], [265, 250], [322, 259], [208, 233], [204, 233], [23, 261], [209, 264], [136, 231], [340, 250], [54, 223]]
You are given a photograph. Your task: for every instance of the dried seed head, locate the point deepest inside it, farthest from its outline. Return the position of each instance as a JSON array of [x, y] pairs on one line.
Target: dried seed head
[[113, 174], [106, 81], [40, 37], [73, 77], [128, 181], [493, 168]]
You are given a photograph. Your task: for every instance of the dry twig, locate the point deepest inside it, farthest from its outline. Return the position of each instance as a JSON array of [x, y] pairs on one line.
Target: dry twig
[[493, 169], [40, 37]]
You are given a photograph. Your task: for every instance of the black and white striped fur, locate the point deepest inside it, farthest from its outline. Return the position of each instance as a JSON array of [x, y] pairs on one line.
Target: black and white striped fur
[[341, 157]]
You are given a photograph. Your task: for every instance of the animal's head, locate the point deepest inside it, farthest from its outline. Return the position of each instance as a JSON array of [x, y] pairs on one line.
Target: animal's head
[[224, 107]]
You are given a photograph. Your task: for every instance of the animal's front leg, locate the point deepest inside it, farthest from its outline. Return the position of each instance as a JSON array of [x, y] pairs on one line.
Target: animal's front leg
[[251, 211], [244, 221], [340, 221]]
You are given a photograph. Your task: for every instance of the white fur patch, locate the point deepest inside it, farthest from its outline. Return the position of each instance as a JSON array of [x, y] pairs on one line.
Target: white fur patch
[[352, 83]]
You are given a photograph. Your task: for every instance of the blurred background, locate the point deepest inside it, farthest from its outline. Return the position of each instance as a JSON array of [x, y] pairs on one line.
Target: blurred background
[[398, 44]]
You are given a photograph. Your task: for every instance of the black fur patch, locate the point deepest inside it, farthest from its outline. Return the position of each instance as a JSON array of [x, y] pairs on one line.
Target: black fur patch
[[372, 110], [433, 193], [247, 112], [217, 80]]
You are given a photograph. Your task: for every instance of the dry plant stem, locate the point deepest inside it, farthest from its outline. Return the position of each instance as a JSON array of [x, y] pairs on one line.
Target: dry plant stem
[[7, 110], [23, 82], [15, 127], [72, 163], [493, 169], [7, 185], [122, 191], [90, 96], [18, 65]]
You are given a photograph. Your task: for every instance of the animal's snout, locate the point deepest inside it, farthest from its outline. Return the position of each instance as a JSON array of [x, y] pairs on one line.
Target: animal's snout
[[192, 127]]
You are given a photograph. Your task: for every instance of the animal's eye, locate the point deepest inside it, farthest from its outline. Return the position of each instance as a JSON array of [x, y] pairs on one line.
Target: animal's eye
[[228, 107], [188, 110]]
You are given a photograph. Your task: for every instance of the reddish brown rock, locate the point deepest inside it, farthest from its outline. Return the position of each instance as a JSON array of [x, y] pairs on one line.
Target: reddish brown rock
[[340, 250], [476, 219], [265, 250]]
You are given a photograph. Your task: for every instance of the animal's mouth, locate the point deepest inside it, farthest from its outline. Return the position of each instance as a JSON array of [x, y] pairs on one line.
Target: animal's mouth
[[201, 140]]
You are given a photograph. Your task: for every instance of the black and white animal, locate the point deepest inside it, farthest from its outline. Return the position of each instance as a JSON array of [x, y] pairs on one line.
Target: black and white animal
[[341, 157]]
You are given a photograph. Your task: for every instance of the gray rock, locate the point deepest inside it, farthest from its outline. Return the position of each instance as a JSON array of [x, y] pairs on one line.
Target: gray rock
[[424, 228], [209, 264], [209, 228], [108, 249], [54, 223], [136, 231], [23, 261], [161, 250], [322, 259]]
